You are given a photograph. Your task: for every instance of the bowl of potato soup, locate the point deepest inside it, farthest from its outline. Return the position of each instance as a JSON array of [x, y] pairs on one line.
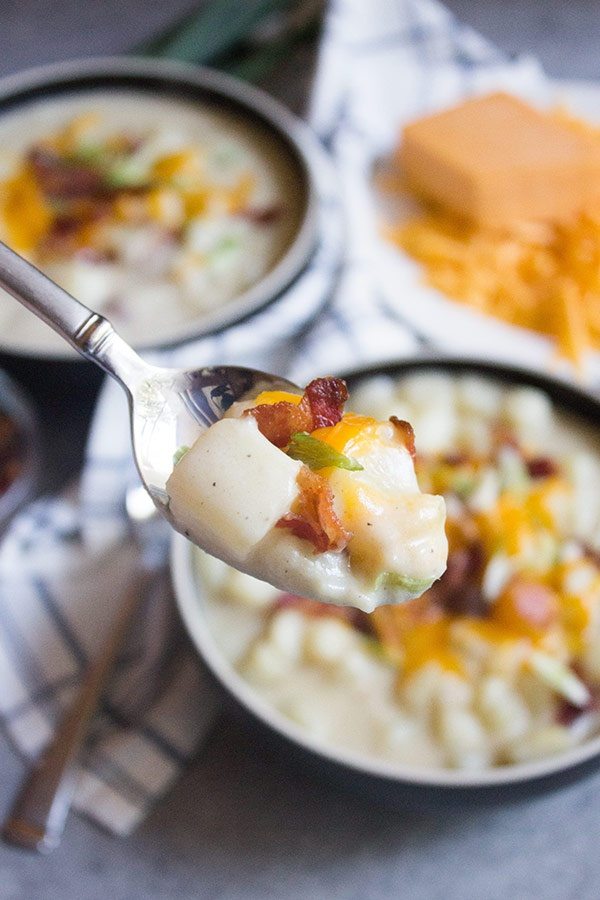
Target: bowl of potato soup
[[488, 686], [175, 200]]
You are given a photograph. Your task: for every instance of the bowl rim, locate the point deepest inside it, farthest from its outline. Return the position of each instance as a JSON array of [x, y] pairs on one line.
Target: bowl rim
[[188, 599], [302, 144]]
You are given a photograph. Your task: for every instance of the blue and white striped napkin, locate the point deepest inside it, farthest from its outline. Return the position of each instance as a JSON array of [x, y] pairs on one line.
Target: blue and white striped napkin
[[67, 560]]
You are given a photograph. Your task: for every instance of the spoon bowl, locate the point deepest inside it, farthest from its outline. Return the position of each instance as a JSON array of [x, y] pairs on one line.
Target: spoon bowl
[[169, 408]]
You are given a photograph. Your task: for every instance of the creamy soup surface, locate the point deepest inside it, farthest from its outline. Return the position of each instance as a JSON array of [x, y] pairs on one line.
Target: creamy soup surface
[[152, 210], [499, 662]]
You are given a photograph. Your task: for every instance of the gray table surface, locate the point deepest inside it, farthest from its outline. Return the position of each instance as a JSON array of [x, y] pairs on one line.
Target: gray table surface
[[235, 825]]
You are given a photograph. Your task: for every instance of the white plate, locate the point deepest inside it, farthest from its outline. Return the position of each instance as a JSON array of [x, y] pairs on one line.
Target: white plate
[[453, 327]]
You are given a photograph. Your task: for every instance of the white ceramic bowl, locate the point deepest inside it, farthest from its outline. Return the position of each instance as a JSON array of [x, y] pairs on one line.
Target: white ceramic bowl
[[388, 781]]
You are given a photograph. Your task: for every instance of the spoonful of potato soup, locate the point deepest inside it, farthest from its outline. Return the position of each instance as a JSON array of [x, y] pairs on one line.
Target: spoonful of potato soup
[[280, 483]]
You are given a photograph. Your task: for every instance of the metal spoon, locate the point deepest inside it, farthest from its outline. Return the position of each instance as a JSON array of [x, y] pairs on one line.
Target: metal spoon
[[168, 407]]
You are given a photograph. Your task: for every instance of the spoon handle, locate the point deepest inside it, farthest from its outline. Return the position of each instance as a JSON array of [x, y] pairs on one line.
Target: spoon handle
[[88, 332], [38, 815]]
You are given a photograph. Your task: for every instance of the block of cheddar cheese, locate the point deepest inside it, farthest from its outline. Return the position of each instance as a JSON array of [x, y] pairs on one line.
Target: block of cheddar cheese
[[496, 160]]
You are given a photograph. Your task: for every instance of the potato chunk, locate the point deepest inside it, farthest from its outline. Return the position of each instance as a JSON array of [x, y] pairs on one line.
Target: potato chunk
[[231, 488]]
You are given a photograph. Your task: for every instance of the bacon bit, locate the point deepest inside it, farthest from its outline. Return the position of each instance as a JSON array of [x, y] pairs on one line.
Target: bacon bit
[[279, 421], [326, 397], [63, 238], [66, 237], [124, 144], [95, 255], [458, 592], [591, 553], [455, 459], [315, 519], [406, 433], [541, 467], [264, 215], [64, 180], [503, 436], [567, 713], [322, 404]]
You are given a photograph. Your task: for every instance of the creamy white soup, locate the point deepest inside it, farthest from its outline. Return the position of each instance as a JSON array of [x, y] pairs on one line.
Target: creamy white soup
[[499, 661], [152, 210]]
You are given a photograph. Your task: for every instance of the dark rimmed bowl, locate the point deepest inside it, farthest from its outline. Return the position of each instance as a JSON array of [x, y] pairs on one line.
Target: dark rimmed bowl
[[16, 405], [210, 89], [63, 385], [392, 784]]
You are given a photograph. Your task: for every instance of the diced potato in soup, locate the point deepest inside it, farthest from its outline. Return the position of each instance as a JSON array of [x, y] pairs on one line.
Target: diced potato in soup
[[316, 502]]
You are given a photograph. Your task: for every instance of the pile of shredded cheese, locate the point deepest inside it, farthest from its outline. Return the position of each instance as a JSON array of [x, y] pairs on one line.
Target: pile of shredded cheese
[[541, 276]]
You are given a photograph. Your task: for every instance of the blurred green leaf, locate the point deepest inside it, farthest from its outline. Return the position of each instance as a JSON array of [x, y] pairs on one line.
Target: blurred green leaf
[[258, 62], [211, 31]]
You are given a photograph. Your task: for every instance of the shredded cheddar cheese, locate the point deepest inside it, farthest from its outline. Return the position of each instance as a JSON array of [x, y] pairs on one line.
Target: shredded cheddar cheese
[[346, 435], [542, 275], [269, 398], [547, 281], [25, 216]]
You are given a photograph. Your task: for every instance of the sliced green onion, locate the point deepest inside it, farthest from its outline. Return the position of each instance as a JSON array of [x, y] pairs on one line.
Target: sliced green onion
[[94, 155], [180, 453], [125, 173], [375, 648], [406, 583], [225, 156], [559, 677], [318, 455], [463, 484], [228, 244]]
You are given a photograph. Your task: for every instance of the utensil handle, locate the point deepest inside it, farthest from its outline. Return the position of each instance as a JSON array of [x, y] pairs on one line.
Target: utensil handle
[[38, 815], [88, 332]]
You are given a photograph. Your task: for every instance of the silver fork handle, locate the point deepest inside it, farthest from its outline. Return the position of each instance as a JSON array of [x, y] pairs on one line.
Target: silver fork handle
[[38, 815], [86, 331]]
